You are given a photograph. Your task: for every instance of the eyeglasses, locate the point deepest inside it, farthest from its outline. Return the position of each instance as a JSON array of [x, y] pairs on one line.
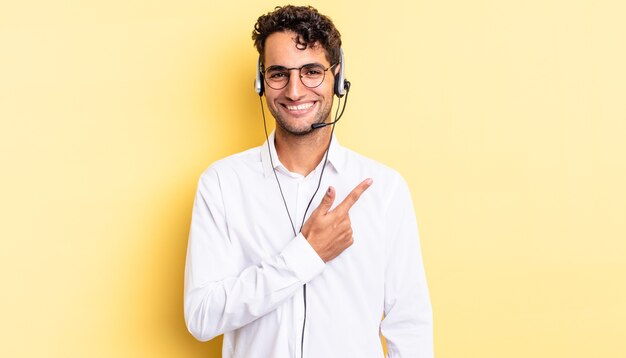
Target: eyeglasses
[[311, 75]]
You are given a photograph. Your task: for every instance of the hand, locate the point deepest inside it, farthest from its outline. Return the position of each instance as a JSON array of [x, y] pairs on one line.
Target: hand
[[330, 232]]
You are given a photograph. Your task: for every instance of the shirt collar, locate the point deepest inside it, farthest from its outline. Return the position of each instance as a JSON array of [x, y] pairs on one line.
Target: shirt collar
[[336, 156]]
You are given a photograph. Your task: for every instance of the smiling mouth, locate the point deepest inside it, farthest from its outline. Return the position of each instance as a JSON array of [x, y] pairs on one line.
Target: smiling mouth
[[299, 107]]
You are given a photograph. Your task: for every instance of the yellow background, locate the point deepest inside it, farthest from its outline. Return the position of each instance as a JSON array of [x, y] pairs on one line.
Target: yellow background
[[507, 118]]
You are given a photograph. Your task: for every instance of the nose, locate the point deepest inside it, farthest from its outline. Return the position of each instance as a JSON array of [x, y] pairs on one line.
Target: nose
[[295, 89]]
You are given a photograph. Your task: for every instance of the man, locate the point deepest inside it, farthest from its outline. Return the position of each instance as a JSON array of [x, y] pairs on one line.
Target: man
[[282, 270]]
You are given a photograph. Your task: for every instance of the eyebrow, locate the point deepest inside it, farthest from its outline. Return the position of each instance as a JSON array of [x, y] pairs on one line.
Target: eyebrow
[[279, 67]]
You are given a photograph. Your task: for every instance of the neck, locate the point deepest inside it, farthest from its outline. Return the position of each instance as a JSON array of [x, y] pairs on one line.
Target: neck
[[301, 154]]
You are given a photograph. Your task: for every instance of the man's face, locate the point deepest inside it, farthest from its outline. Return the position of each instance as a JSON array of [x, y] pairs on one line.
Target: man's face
[[296, 107]]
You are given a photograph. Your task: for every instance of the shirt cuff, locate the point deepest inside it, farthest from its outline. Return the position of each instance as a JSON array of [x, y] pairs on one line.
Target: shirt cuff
[[302, 259]]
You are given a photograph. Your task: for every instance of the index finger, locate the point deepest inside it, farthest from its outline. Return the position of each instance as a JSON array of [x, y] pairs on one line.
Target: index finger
[[354, 195]]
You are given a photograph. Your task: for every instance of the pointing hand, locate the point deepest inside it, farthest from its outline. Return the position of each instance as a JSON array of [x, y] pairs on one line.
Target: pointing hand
[[329, 232]]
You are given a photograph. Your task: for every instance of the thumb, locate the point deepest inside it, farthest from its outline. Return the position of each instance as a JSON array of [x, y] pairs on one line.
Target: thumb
[[327, 200]]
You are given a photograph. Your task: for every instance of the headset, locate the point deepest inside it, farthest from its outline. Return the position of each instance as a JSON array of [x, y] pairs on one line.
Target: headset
[[342, 85]]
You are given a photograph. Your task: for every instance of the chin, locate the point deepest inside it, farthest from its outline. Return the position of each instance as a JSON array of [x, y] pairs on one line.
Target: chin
[[291, 128], [299, 131]]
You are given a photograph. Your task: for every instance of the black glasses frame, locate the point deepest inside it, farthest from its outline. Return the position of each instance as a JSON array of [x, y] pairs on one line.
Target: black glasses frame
[[299, 75]]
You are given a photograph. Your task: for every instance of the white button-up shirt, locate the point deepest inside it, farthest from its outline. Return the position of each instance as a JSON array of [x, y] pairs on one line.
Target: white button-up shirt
[[245, 270]]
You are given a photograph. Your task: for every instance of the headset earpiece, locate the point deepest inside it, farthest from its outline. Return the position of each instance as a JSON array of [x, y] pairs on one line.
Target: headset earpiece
[[341, 84], [259, 86]]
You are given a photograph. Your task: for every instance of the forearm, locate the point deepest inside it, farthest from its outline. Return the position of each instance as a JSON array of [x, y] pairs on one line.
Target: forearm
[[215, 306], [408, 322]]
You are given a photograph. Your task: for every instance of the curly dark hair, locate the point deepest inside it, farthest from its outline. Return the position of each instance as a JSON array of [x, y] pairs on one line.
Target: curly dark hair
[[311, 27]]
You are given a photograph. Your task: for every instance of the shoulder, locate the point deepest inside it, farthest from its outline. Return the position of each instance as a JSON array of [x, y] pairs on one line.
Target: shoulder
[[232, 166], [361, 165], [389, 188], [235, 162]]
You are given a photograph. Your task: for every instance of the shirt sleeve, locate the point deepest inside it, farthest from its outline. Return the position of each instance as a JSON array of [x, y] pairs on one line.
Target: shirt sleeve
[[220, 297], [407, 325]]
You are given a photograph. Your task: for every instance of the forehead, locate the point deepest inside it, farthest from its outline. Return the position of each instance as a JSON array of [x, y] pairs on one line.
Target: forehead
[[281, 49]]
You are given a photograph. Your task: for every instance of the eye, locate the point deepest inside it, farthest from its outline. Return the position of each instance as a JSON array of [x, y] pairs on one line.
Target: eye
[[277, 75], [312, 71]]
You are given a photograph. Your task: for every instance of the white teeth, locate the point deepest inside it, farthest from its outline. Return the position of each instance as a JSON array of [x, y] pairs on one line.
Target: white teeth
[[300, 107]]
